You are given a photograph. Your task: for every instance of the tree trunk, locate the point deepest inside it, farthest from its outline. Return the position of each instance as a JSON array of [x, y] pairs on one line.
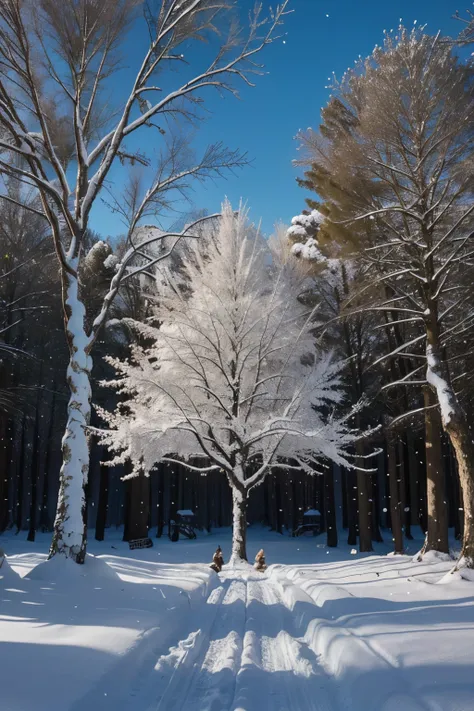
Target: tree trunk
[[330, 508], [161, 502], [239, 532], [6, 437], [457, 495], [102, 503], [457, 427], [139, 507], [44, 521], [345, 510], [461, 439], [404, 488], [126, 513], [375, 522], [351, 497], [365, 512], [70, 533], [395, 513], [437, 533], [413, 472], [21, 476], [278, 503], [364, 502], [35, 472]]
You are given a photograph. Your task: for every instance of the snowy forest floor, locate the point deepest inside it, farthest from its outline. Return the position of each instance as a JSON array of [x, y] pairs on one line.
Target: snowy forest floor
[[157, 630]]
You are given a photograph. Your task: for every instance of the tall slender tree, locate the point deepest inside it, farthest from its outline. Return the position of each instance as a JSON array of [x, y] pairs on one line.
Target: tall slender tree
[[60, 137]]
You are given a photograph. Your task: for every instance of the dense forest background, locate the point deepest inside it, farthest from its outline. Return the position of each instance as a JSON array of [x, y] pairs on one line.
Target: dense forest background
[[34, 397], [386, 242]]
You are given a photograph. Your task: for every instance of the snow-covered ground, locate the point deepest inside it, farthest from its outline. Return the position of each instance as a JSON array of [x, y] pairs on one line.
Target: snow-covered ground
[[322, 630]]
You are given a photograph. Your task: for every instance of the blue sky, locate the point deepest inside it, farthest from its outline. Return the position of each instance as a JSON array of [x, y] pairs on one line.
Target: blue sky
[[266, 118]]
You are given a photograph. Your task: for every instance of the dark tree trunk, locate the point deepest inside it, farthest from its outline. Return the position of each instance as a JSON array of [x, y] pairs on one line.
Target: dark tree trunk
[[278, 504], [330, 508], [405, 488], [365, 512], [344, 487], [395, 513], [102, 504], [351, 491], [126, 513], [139, 507], [44, 520], [413, 475], [161, 502], [364, 502], [35, 472], [174, 486], [437, 532], [376, 534], [5, 469], [21, 478]]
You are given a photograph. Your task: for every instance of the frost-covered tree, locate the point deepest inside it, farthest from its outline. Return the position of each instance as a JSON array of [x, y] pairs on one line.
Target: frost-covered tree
[[394, 166], [67, 123], [233, 380]]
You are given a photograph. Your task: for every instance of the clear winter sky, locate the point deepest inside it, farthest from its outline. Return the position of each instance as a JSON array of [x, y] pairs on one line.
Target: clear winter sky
[[322, 36]]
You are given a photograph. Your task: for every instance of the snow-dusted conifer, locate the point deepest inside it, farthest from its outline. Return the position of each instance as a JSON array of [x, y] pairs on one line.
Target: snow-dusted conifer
[[233, 381]]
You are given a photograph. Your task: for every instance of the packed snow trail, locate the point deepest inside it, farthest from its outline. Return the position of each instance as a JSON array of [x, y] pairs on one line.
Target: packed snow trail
[[278, 670], [246, 655]]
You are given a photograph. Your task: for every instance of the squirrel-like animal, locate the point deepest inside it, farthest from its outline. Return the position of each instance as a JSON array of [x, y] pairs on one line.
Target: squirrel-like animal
[[217, 560], [260, 563]]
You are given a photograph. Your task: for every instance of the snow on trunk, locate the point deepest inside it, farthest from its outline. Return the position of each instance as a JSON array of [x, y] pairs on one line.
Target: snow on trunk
[[69, 537], [440, 385], [239, 532], [457, 427]]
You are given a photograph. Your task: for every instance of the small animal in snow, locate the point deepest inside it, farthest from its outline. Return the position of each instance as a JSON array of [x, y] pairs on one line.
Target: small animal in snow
[[260, 563], [217, 560]]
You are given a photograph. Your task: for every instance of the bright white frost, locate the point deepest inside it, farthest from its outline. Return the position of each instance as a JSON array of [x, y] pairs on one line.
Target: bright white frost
[[75, 447], [443, 389], [232, 379]]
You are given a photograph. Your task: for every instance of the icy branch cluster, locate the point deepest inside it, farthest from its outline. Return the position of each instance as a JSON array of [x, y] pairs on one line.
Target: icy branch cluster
[[233, 376]]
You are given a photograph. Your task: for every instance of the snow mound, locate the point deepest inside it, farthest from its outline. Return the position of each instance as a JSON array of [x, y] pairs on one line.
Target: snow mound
[[328, 596], [431, 557], [312, 512], [459, 573], [7, 574], [64, 571], [237, 564]]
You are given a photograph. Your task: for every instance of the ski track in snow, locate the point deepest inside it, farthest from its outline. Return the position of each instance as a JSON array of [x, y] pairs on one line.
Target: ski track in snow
[[245, 655], [279, 671]]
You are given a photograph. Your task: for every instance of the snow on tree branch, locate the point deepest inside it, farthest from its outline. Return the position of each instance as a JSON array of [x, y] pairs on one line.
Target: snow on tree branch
[[247, 391]]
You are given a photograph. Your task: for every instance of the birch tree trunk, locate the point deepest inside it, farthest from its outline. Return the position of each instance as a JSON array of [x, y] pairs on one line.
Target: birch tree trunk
[[239, 531], [70, 535]]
